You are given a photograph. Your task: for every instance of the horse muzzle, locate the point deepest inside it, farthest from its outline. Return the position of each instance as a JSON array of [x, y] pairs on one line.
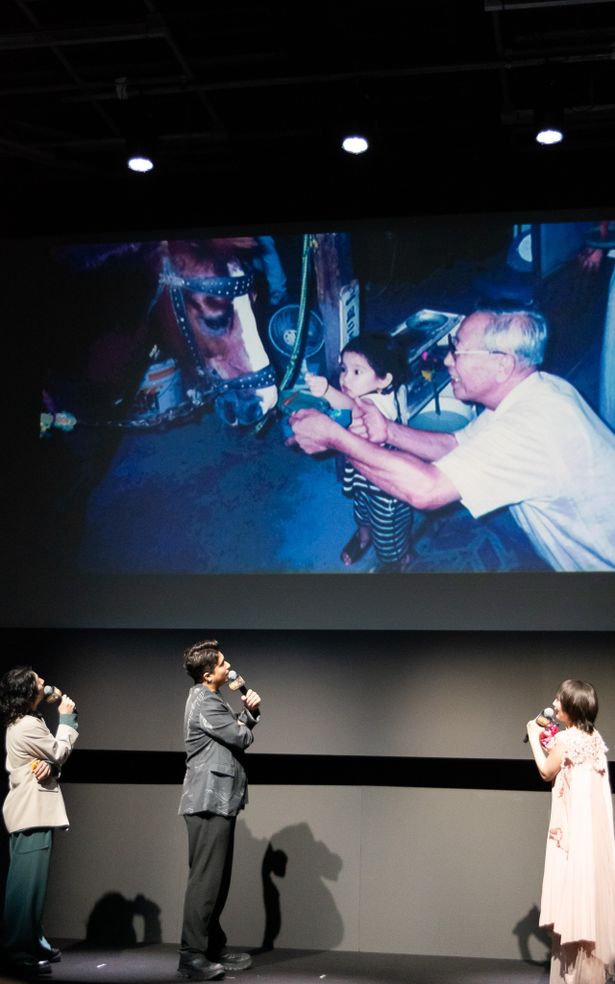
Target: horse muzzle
[[241, 408]]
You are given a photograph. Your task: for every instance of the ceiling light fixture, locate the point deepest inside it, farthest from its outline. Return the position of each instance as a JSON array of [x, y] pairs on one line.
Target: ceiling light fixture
[[355, 143], [549, 133], [549, 116], [138, 129], [139, 161]]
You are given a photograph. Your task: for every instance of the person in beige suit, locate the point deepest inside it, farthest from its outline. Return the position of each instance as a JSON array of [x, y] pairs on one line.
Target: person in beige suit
[[33, 809]]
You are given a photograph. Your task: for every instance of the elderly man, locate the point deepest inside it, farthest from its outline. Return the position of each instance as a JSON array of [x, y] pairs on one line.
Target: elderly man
[[537, 447]]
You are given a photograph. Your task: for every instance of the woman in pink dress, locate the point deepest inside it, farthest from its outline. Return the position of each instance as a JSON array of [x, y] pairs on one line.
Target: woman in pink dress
[[578, 891]]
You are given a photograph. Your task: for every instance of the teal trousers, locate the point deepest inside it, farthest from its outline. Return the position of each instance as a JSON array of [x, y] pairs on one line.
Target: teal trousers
[[26, 888]]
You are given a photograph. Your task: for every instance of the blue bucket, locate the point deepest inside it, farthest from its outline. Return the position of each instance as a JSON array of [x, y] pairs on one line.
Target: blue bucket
[[291, 400]]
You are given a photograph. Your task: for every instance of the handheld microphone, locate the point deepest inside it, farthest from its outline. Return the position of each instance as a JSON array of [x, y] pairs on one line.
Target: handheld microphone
[[237, 682], [52, 694], [543, 720]]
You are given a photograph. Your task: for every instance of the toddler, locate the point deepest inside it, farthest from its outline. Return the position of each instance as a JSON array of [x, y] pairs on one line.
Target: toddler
[[372, 367]]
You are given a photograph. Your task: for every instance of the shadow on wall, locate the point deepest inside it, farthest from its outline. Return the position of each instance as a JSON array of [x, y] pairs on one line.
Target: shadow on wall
[[111, 922], [291, 868], [274, 863], [308, 863], [528, 928]]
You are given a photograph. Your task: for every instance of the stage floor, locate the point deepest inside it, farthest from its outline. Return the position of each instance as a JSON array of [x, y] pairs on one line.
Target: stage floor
[[158, 963]]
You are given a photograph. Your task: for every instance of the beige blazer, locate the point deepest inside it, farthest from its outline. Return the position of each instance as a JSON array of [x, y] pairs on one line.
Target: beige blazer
[[30, 803]]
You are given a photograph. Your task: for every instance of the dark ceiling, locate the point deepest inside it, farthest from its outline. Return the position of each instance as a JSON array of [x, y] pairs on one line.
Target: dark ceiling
[[248, 95]]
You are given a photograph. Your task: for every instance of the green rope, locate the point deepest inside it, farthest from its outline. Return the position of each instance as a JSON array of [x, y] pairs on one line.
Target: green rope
[[290, 373]]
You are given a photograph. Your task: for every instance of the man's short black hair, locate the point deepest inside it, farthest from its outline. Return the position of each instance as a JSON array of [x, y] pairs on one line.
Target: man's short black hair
[[201, 658]]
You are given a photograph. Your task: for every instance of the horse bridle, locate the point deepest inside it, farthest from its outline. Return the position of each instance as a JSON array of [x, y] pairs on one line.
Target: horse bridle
[[229, 287]]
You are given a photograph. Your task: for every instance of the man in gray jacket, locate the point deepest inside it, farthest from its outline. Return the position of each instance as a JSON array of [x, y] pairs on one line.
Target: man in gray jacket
[[214, 791]]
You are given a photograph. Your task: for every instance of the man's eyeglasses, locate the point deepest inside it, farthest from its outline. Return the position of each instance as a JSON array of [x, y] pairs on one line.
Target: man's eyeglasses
[[455, 351]]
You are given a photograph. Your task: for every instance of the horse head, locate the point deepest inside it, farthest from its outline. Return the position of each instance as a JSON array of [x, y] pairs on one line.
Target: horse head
[[206, 321]]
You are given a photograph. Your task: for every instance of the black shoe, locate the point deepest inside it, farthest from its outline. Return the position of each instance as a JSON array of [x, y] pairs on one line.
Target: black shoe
[[51, 955], [27, 970], [235, 961], [390, 567], [199, 968]]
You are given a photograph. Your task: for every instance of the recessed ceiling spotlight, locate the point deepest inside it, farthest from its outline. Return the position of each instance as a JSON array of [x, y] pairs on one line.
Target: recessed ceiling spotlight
[[355, 144], [140, 163], [549, 135], [549, 123]]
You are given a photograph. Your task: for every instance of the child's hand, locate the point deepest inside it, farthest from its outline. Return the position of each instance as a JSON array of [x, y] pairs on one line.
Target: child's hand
[[317, 385]]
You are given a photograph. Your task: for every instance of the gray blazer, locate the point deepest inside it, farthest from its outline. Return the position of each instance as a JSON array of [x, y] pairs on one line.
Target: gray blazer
[[215, 738]]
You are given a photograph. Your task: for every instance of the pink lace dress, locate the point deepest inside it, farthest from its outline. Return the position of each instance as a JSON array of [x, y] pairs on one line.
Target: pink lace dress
[[578, 892]]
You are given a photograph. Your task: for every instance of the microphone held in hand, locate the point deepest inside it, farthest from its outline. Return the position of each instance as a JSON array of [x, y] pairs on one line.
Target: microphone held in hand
[[543, 720], [52, 694], [237, 682]]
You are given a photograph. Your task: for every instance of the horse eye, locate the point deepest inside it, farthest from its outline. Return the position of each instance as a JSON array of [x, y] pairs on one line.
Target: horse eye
[[215, 323], [217, 326]]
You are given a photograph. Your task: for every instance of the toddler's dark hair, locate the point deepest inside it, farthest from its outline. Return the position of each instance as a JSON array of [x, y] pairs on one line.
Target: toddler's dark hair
[[383, 353]]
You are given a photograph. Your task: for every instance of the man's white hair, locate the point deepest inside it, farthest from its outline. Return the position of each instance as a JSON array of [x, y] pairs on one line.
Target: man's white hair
[[520, 333]]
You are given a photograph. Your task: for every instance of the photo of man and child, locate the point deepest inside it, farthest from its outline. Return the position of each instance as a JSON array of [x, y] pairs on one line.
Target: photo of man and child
[[429, 396]]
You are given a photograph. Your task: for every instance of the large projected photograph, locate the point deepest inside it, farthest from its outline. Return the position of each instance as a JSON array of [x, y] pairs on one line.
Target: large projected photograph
[[404, 397]]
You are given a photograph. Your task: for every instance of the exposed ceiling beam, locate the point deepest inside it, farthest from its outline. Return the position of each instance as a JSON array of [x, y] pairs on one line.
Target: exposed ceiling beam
[[503, 5], [71, 37], [155, 86]]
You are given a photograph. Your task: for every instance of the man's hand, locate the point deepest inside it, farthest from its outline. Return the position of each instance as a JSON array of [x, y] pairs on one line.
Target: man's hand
[[313, 431], [368, 422], [251, 700], [590, 259]]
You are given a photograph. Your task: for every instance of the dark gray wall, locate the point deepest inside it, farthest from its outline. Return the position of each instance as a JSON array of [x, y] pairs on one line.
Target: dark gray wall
[[367, 865], [465, 695]]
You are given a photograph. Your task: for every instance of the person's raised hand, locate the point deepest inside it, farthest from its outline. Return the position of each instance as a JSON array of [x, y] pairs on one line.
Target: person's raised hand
[[317, 385], [367, 421]]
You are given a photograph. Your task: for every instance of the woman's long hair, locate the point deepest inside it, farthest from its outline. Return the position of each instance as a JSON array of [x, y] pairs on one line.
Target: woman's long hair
[[17, 693]]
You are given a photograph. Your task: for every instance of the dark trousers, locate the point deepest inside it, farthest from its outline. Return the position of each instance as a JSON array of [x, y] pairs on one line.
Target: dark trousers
[[26, 888], [210, 856]]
